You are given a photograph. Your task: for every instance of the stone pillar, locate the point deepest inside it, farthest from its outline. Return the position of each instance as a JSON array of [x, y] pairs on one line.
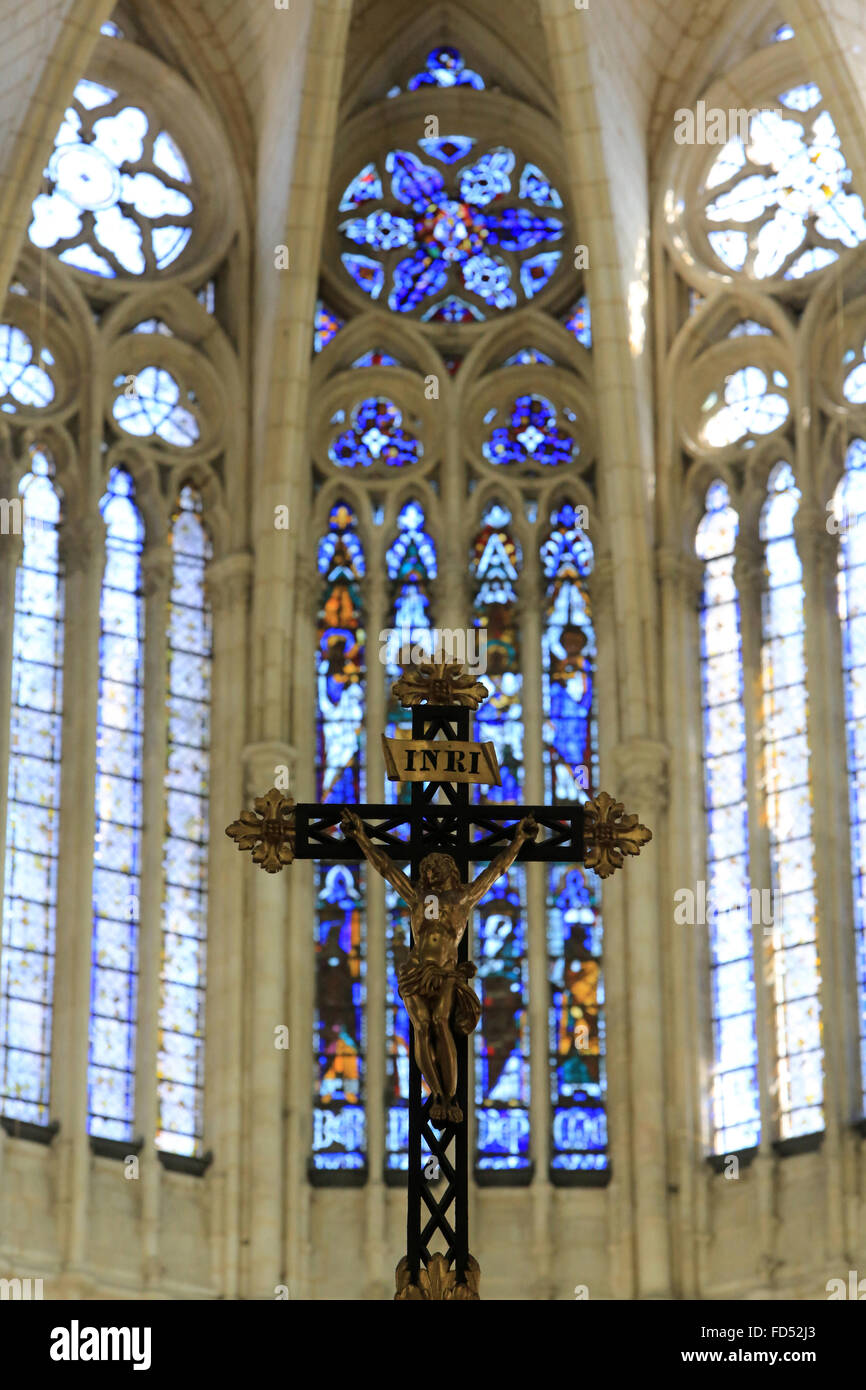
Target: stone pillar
[[640, 766], [685, 975], [749, 579], [818, 551], [264, 1062], [227, 588], [83, 554], [11, 547], [156, 569], [536, 902]]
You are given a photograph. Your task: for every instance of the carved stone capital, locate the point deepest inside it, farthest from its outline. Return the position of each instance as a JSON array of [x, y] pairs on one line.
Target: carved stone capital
[[268, 764], [228, 581], [817, 544], [749, 566], [82, 544], [308, 588], [641, 770], [156, 569]]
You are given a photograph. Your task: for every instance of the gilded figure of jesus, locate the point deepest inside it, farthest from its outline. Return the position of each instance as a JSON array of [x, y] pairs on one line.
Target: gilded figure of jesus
[[433, 985]]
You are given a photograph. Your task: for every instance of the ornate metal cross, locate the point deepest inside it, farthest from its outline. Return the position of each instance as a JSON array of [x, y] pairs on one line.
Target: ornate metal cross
[[597, 834]]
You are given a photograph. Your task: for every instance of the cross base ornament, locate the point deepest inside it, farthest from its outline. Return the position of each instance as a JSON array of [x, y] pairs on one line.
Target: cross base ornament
[[438, 835]]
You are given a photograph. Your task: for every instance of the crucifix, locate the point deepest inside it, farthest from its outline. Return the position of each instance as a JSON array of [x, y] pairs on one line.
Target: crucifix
[[438, 839]]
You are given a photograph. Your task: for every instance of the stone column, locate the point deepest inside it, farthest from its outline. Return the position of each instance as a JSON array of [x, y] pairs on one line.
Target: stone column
[[227, 588], [264, 1062], [818, 551], [156, 569], [749, 579], [681, 858], [83, 554], [11, 547], [530, 618], [641, 784]]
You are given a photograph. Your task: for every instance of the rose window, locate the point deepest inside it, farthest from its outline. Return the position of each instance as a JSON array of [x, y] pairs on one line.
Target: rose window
[[470, 225], [777, 205], [118, 189]]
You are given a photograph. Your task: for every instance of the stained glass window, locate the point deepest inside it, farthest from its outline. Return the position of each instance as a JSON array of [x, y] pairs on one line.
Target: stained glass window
[[500, 946], [747, 406], [796, 972], [778, 203], [23, 380], [180, 1058], [411, 566], [445, 67], [574, 929], [117, 849], [735, 1096], [326, 326], [579, 322], [151, 402], [530, 435], [33, 807], [376, 435], [339, 1136], [118, 199], [456, 216], [850, 515]]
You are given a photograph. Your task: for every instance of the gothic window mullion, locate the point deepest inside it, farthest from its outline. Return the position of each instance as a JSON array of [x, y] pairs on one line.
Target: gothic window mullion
[[156, 580]]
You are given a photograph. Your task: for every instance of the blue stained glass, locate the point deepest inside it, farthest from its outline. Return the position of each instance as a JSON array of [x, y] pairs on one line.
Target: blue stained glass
[[532, 436], [116, 891], [500, 948], [850, 511], [445, 67], [32, 811], [735, 1097], [180, 1060], [381, 230], [376, 436], [574, 928], [579, 322], [535, 273], [537, 188], [339, 1135], [411, 567], [364, 188], [150, 403], [488, 178], [453, 231], [376, 358], [789, 813], [452, 309], [528, 357], [447, 148], [326, 326], [368, 275]]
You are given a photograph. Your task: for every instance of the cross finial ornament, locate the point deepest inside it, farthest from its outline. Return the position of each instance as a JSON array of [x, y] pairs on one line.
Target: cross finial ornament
[[439, 683]]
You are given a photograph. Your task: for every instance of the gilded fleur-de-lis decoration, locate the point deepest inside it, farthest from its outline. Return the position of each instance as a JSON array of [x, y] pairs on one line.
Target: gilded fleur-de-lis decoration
[[268, 830], [438, 1282], [439, 683], [609, 834]]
